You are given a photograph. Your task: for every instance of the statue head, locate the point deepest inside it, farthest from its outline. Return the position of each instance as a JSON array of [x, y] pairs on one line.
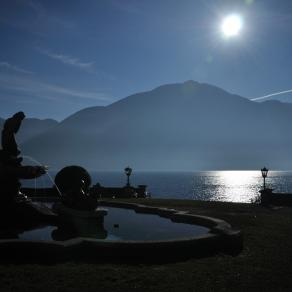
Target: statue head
[[19, 116]]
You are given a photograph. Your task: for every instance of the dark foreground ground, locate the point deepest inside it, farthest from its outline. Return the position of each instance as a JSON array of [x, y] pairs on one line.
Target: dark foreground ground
[[265, 264]]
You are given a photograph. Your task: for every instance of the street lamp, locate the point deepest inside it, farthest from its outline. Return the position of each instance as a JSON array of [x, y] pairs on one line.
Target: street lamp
[[264, 175], [128, 172]]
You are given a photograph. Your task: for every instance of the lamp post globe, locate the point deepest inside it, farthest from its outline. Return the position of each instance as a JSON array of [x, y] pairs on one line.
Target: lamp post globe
[[128, 172]]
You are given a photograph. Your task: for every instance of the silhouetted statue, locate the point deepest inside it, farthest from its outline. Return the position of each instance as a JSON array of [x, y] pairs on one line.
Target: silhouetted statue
[[11, 127], [11, 169], [16, 210]]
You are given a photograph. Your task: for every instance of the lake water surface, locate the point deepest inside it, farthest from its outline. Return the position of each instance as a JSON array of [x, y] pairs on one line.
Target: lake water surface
[[230, 186]]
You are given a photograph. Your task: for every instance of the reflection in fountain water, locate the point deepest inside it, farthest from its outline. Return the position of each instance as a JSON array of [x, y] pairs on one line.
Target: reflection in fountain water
[[79, 228]]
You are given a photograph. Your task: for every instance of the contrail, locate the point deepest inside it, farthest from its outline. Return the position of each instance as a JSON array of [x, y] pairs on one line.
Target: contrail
[[272, 94]]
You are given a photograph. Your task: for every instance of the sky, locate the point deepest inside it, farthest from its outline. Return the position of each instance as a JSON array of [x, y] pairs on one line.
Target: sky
[[57, 57]]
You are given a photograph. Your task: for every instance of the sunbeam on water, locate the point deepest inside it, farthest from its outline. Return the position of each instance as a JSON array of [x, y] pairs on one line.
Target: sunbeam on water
[[237, 186]]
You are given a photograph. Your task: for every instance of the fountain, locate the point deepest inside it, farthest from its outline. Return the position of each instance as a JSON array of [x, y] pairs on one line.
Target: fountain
[[76, 228]]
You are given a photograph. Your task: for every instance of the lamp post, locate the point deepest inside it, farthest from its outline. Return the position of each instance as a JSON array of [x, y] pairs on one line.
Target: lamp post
[[128, 172], [264, 175]]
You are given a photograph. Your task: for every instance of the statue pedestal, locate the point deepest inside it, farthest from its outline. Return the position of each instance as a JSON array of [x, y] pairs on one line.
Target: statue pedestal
[[25, 214]]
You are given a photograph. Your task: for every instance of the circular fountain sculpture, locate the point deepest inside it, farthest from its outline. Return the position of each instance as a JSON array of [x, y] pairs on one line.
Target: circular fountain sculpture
[[76, 202], [70, 177]]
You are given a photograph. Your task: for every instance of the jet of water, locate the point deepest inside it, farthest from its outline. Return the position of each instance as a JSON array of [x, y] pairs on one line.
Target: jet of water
[[47, 173]]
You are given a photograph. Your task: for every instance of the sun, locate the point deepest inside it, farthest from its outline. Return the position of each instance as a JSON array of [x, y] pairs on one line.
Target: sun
[[231, 25]]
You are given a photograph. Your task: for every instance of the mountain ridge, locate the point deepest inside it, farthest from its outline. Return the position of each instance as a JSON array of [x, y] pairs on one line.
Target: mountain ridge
[[182, 126]]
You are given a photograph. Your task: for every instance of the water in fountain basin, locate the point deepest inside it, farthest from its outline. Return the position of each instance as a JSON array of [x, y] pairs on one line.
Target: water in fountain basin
[[119, 224]]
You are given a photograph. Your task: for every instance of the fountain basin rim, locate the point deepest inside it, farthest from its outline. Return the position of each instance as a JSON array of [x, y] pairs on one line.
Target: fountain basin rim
[[221, 238], [79, 240], [216, 226]]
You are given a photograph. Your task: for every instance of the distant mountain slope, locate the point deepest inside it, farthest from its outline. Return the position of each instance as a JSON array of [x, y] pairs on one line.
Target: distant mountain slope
[[31, 127], [188, 126]]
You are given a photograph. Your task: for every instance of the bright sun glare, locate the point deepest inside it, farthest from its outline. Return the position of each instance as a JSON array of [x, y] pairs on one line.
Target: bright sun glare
[[231, 25]]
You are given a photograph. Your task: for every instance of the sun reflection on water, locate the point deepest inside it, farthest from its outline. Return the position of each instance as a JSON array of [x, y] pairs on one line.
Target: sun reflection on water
[[237, 186]]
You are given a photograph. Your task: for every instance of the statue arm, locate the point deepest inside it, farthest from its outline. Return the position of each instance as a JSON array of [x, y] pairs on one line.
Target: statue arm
[[25, 172]]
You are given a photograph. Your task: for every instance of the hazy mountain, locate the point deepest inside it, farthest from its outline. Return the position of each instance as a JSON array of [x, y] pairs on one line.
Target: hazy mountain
[[31, 127], [188, 126]]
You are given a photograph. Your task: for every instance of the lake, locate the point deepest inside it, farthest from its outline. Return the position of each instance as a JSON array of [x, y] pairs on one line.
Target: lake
[[228, 186]]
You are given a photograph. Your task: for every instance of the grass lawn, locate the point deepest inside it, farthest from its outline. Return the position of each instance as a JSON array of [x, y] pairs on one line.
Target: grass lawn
[[265, 264]]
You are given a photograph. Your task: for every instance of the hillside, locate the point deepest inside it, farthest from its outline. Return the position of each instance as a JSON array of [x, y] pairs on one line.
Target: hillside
[[188, 126], [31, 127]]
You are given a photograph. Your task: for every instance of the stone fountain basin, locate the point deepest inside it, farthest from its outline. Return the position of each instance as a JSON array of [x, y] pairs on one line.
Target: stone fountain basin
[[220, 238]]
